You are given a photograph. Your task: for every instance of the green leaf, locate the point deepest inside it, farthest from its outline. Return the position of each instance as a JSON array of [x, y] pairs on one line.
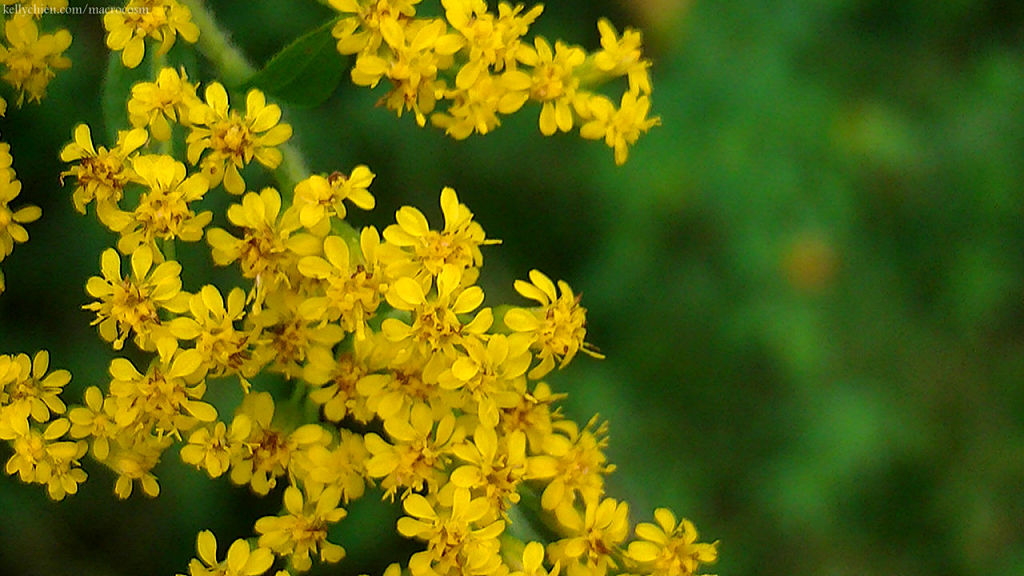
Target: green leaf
[[304, 73]]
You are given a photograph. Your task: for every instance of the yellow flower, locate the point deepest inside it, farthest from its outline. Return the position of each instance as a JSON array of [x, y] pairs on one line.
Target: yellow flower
[[101, 174], [493, 42], [436, 326], [623, 56], [163, 211], [343, 466], [212, 447], [232, 140], [166, 399], [494, 466], [553, 83], [42, 458], [241, 560], [30, 59], [479, 97], [335, 380], [318, 197], [27, 391], [161, 20], [268, 249], [304, 529], [352, 286], [574, 463], [489, 376], [412, 249], [557, 328], [360, 32], [418, 49], [459, 537], [288, 335], [11, 229], [419, 451], [131, 304], [134, 463], [158, 104], [225, 350], [596, 538], [95, 420], [620, 128], [668, 548]]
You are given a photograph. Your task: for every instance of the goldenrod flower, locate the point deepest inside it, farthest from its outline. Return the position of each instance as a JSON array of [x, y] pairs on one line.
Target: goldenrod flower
[[557, 328], [164, 210], [42, 458], [211, 447], [335, 380], [361, 31], [135, 462], [101, 174], [620, 128], [95, 420], [343, 466], [288, 335], [623, 56], [225, 350], [166, 399], [352, 285], [132, 304], [553, 83], [493, 42], [161, 20], [489, 376], [156, 105], [436, 326], [494, 466], [412, 249], [318, 198], [459, 537], [232, 140], [479, 97], [597, 536], [27, 391], [574, 463], [668, 548], [241, 560], [303, 530], [419, 451], [11, 229], [30, 59]]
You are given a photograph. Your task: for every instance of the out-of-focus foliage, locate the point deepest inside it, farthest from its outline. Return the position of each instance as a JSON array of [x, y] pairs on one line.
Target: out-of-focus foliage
[[808, 282]]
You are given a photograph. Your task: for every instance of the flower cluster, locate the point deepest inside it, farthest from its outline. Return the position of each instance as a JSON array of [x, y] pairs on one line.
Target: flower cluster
[[30, 59], [468, 68], [12, 230], [160, 20]]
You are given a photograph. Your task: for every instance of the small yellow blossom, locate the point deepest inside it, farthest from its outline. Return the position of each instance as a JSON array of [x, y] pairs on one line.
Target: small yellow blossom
[[95, 420], [11, 221], [30, 58], [318, 197], [494, 466], [166, 399], [597, 536], [288, 335], [241, 560], [134, 463], [668, 548], [211, 447], [553, 83], [132, 304], [161, 20], [101, 174], [494, 41], [574, 463], [303, 531], [419, 451], [489, 377], [360, 32], [352, 286], [27, 391], [231, 140], [225, 349], [156, 105], [620, 128], [623, 56], [336, 380]]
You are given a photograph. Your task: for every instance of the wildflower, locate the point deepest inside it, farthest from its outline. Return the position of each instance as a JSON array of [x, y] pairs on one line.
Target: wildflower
[[532, 415], [268, 249], [101, 174], [27, 391], [135, 462], [11, 221], [418, 453], [454, 542], [224, 349], [288, 335], [155, 105], [418, 50], [668, 548], [161, 20], [553, 83], [352, 289], [241, 560], [487, 375], [336, 380], [304, 529], [574, 463], [164, 210], [95, 420], [167, 398], [623, 56], [131, 304], [478, 98], [493, 41], [494, 466], [232, 140], [557, 328], [343, 466], [211, 447], [620, 128], [318, 197], [30, 59], [533, 562], [412, 249], [361, 32], [436, 326], [596, 537]]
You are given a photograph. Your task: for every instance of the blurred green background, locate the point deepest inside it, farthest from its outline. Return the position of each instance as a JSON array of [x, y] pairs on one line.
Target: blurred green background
[[809, 283]]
